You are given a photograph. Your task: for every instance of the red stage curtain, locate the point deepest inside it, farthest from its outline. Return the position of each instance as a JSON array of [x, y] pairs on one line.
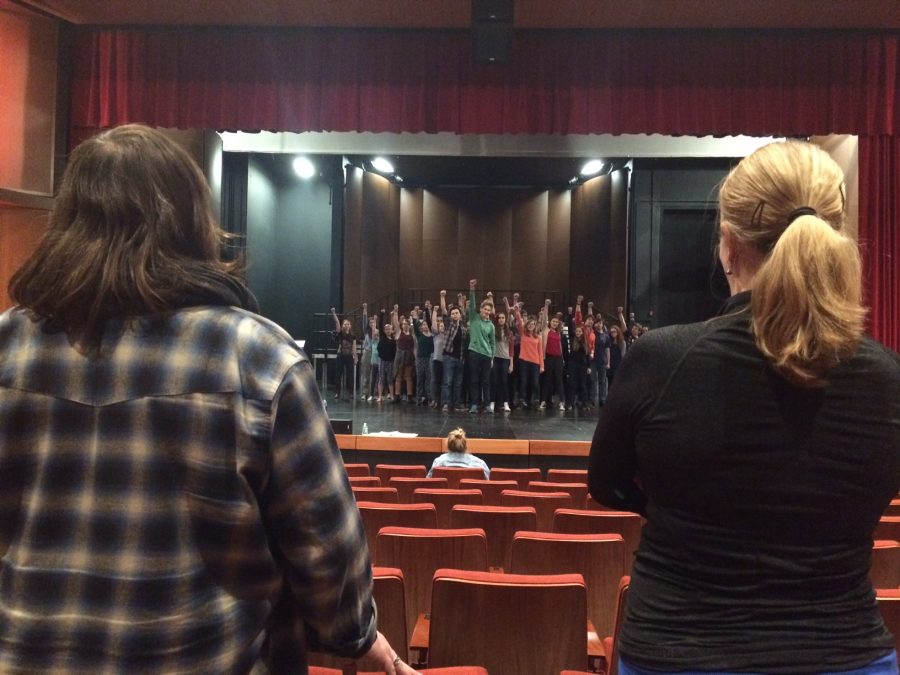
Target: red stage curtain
[[879, 233], [681, 82], [557, 82]]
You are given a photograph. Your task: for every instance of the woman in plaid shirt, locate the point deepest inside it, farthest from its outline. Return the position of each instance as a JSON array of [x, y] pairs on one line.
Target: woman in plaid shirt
[[172, 496]]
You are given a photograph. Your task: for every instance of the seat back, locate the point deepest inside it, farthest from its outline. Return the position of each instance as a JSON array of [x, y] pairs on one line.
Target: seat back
[[376, 515], [545, 503], [406, 486], [567, 475], [613, 652], [500, 524], [364, 481], [893, 508], [885, 570], [387, 471], [523, 623], [579, 491], [454, 474], [375, 494], [445, 499], [599, 558], [586, 521], [490, 489], [357, 469], [389, 592], [889, 604], [593, 505], [521, 476], [888, 528], [420, 551]]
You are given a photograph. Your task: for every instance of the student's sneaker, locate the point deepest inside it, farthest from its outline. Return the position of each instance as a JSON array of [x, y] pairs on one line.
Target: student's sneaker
[[368, 399], [505, 408], [378, 400], [446, 408], [562, 407], [490, 408], [473, 410], [543, 405]]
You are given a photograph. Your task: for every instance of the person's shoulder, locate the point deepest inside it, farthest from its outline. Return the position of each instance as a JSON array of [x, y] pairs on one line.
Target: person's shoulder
[[262, 350], [876, 359], [669, 340]]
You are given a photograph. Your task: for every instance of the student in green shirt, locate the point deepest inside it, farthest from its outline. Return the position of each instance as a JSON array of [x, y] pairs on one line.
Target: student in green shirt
[[480, 356]]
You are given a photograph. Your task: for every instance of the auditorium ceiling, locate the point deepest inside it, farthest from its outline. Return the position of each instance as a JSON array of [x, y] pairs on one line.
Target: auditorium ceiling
[[527, 14]]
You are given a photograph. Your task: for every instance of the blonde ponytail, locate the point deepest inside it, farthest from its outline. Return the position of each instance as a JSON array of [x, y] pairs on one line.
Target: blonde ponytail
[[786, 201], [806, 301]]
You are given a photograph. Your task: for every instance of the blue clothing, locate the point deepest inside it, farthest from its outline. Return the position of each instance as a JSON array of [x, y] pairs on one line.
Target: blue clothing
[[461, 460], [886, 665]]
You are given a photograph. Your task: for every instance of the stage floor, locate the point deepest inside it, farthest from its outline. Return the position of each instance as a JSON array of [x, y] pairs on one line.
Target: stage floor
[[530, 424]]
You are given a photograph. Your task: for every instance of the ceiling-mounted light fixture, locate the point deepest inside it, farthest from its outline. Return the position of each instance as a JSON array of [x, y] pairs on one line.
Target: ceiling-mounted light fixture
[[592, 167], [381, 165], [304, 168]]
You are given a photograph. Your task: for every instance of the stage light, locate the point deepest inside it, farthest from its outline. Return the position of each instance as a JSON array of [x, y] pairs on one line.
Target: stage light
[[592, 167], [381, 165], [573, 180], [304, 168]]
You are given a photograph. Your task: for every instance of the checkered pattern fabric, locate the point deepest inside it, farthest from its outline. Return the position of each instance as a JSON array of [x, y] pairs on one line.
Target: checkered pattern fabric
[[163, 502]]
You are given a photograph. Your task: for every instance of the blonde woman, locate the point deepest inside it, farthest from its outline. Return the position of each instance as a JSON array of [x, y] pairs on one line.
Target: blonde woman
[[457, 455], [762, 446]]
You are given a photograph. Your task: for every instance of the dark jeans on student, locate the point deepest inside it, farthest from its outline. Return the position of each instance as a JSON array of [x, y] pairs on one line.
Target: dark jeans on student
[[452, 380], [479, 378], [529, 382], [553, 379], [344, 375], [437, 380], [578, 384], [499, 381]]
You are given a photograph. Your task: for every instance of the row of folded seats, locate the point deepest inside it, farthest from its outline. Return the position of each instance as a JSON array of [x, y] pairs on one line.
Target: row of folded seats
[[483, 585]]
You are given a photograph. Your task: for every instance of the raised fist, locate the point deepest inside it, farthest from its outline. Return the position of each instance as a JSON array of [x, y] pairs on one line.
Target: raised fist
[[332, 311], [547, 302], [590, 303], [443, 294], [619, 310], [472, 283], [580, 298]]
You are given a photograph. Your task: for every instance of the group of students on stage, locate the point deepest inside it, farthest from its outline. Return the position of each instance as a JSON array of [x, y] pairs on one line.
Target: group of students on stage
[[473, 354]]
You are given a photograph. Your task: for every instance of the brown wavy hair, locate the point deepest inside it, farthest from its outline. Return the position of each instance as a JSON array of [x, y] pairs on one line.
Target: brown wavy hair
[[131, 232], [806, 298]]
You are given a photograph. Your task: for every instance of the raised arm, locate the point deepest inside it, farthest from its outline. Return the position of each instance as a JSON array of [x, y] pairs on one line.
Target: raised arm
[[578, 318], [623, 327], [520, 324], [365, 319], [444, 302], [395, 319], [337, 322], [471, 311]]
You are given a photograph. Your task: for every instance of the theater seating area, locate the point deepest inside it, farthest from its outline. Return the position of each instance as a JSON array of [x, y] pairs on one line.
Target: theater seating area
[[481, 568]]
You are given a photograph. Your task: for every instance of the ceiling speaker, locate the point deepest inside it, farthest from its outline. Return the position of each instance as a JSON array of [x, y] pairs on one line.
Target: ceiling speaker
[[492, 11]]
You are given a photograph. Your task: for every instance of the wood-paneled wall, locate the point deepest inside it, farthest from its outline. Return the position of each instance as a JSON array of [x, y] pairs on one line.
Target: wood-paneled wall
[[571, 241], [20, 231]]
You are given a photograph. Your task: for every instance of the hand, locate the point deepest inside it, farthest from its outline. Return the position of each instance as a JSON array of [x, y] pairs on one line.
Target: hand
[[510, 369], [490, 295], [396, 308], [415, 309], [428, 304], [505, 300], [443, 294], [381, 656], [332, 311], [571, 310], [619, 310], [355, 358], [515, 296], [383, 310], [590, 303], [547, 302], [365, 306], [579, 299], [472, 283], [542, 369]]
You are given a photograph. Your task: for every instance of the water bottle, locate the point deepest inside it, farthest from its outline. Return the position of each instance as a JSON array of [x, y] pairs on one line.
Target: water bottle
[[365, 429]]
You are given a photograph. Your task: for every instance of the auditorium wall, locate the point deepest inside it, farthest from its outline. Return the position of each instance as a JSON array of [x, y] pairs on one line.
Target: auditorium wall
[[536, 241]]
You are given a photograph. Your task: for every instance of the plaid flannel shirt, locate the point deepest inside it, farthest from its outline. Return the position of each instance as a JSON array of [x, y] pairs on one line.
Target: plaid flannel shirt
[[176, 505]]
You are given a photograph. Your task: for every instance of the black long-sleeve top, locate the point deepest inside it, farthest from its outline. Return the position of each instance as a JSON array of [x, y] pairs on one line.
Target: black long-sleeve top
[[760, 498]]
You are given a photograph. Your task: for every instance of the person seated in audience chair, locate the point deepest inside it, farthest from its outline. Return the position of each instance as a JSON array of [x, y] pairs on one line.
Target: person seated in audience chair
[[458, 455], [173, 496]]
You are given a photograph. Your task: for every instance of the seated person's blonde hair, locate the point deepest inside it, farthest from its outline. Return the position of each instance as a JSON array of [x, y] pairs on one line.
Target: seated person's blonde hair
[[456, 441]]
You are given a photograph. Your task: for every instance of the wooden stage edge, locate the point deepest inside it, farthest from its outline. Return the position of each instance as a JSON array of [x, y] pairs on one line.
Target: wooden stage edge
[[478, 446]]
